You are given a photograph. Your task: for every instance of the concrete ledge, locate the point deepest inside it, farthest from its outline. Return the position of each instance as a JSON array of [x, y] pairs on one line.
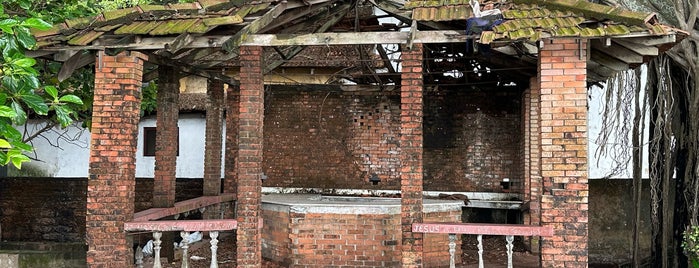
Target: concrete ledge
[[181, 207], [483, 229], [186, 225]]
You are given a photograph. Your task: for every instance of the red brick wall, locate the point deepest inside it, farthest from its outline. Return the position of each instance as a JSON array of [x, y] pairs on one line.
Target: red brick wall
[[472, 139], [111, 183], [564, 202], [53, 209], [298, 239]]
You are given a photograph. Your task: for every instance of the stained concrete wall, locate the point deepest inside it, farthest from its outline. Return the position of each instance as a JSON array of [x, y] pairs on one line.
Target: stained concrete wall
[[610, 220]]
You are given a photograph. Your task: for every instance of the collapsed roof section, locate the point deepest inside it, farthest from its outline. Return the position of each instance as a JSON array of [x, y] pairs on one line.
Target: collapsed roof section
[[204, 36]]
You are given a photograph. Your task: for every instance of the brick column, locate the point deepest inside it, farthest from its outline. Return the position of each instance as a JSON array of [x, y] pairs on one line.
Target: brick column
[[166, 147], [532, 159], [214, 135], [411, 155], [564, 203], [111, 182], [250, 140], [166, 137], [230, 183]]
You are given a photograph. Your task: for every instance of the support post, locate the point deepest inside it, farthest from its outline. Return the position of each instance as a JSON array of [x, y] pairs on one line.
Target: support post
[[214, 135], [250, 141], [166, 148], [564, 201], [111, 183], [411, 155]]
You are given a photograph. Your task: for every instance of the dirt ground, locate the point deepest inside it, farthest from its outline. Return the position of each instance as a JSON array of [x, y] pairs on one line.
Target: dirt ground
[[494, 254]]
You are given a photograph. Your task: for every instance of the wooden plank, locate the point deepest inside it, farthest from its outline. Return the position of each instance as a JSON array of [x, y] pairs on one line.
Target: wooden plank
[[609, 62], [355, 38], [618, 52], [232, 43], [638, 48], [336, 15], [75, 62], [181, 207], [483, 229], [651, 40]]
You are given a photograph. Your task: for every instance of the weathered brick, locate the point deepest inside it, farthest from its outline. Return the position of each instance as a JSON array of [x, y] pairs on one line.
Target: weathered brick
[[111, 175], [568, 169]]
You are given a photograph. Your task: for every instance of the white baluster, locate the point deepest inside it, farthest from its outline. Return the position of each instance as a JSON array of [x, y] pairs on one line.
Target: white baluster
[[214, 248], [156, 249], [480, 251], [509, 246], [185, 248], [139, 257], [452, 250]]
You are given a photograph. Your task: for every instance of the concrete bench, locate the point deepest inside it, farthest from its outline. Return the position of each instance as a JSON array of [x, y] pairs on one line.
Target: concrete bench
[[480, 229]]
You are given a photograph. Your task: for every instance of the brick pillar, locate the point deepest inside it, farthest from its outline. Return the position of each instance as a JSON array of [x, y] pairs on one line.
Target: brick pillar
[[230, 183], [111, 182], [166, 139], [532, 159], [250, 139], [411, 155], [166, 147], [564, 201], [214, 135]]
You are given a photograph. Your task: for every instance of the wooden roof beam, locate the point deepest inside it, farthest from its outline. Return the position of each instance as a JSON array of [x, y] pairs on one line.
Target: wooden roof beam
[[618, 52], [354, 38]]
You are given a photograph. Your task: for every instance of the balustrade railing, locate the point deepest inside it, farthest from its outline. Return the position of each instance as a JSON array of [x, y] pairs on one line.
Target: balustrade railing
[[480, 229], [147, 221], [213, 227]]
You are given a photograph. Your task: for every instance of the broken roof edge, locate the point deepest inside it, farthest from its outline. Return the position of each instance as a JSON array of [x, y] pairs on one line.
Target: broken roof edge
[[597, 11]]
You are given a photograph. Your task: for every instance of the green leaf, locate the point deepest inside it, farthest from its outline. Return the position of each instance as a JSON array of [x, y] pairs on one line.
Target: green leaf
[[20, 116], [4, 144], [17, 158], [36, 103], [36, 23], [71, 99], [22, 146], [6, 111], [10, 48], [63, 115], [52, 91], [11, 84], [3, 158], [25, 62], [7, 24], [25, 37]]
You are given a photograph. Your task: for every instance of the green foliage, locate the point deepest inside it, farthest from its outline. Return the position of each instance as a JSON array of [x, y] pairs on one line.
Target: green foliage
[[690, 244], [21, 91], [148, 98]]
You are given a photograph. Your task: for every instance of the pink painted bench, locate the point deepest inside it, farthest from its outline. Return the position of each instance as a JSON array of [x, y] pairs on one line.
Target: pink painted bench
[[480, 229]]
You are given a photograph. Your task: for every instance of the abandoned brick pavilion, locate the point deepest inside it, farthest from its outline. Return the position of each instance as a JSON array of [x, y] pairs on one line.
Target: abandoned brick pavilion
[[524, 64]]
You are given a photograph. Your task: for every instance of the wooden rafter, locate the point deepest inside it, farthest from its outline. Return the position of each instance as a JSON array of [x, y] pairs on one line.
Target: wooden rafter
[[619, 52], [335, 16]]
